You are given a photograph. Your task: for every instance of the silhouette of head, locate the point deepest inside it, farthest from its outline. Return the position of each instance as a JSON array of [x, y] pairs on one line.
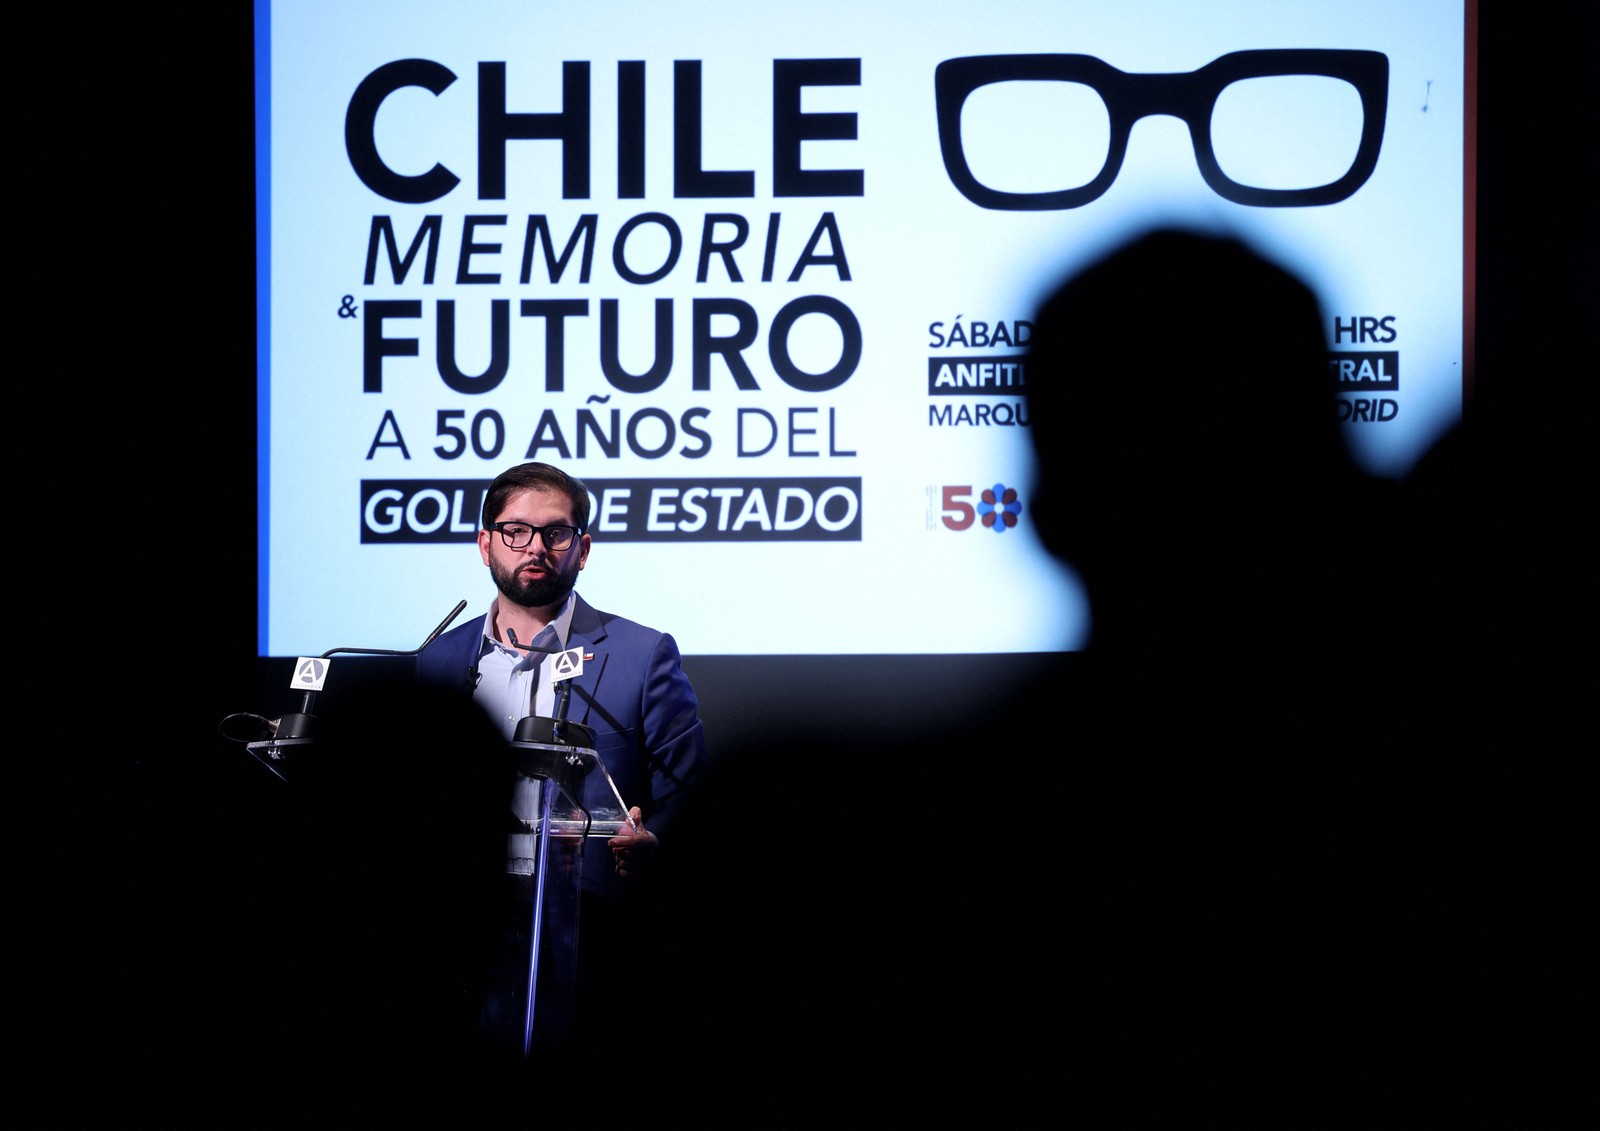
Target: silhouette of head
[[1187, 448]]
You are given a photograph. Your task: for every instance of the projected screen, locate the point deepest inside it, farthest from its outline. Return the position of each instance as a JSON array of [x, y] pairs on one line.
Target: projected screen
[[762, 276]]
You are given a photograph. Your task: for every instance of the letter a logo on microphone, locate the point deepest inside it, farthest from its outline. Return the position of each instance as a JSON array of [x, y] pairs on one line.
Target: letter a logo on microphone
[[568, 664], [309, 673]]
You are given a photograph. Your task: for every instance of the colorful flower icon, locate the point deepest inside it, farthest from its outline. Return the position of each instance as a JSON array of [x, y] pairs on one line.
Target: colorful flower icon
[[999, 507]]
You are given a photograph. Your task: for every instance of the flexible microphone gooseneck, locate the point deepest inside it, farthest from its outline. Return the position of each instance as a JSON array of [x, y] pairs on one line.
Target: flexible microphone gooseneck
[[431, 637], [558, 728], [298, 725]]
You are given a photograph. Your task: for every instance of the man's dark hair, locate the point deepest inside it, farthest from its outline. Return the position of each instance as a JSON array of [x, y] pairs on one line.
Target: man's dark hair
[[540, 476]]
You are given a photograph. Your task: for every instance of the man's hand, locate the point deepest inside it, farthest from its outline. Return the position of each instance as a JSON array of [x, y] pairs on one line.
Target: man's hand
[[633, 850]]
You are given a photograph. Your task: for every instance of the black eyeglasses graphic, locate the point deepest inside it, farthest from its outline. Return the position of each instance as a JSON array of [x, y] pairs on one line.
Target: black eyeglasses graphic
[[1190, 96]]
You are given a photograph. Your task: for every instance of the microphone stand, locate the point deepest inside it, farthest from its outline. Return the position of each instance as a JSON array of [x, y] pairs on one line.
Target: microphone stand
[[296, 728], [549, 749]]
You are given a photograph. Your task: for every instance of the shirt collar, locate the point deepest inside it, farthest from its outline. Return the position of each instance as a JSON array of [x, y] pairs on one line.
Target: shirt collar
[[562, 622], [563, 619]]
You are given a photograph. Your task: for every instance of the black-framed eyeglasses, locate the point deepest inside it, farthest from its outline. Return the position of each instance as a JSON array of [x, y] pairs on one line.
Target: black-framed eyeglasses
[[1191, 96], [519, 535]]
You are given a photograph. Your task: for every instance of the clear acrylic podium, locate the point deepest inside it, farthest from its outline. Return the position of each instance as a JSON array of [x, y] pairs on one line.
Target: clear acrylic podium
[[577, 801]]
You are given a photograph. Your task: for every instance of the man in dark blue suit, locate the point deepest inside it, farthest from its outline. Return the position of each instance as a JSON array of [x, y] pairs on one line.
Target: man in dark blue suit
[[631, 696]]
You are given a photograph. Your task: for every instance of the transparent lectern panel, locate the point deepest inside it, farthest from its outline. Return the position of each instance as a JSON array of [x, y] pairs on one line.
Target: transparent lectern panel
[[586, 802]]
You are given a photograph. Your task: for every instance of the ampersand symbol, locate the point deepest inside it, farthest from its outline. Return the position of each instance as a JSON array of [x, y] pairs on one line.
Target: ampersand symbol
[[347, 306]]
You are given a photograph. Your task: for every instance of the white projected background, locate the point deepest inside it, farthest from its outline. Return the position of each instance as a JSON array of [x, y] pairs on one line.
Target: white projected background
[[828, 498]]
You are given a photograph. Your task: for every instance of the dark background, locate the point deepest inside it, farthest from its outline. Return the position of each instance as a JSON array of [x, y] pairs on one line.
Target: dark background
[[143, 208]]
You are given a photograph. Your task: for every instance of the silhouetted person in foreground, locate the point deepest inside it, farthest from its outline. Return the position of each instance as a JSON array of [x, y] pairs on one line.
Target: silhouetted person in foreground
[[1274, 876], [1190, 467], [1193, 865]]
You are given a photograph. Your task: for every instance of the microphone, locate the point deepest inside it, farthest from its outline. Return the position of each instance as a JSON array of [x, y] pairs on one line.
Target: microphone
[[511, 635], [558, 724], [563, 697], [444, 624], [295, 728], [538, 738], [431, 637]]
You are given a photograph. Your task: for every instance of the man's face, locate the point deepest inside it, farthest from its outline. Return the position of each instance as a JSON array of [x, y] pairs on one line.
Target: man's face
[[535, 576]]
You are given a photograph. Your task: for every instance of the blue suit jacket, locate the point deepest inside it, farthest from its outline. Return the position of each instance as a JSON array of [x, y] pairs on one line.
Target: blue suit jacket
[[633, 694]]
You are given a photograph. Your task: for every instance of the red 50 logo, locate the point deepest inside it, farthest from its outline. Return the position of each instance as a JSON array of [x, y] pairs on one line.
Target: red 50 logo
[[998, 507]]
